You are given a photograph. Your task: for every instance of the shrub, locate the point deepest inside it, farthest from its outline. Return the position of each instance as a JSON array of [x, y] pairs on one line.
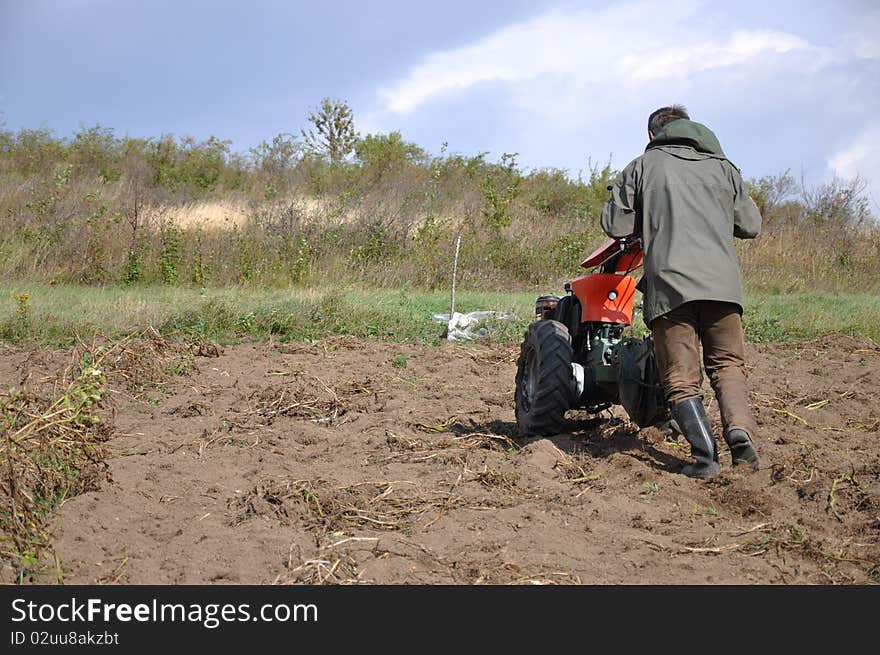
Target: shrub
[[169, 258]]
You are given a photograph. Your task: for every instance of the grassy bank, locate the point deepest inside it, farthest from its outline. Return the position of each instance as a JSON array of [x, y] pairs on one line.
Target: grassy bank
[[55, 314]]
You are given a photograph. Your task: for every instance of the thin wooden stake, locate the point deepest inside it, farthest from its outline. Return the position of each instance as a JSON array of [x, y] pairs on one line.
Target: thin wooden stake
[[454, 273]]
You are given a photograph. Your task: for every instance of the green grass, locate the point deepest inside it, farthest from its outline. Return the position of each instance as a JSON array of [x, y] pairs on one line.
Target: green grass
[[58, 312], [808, 315], [55, 314]]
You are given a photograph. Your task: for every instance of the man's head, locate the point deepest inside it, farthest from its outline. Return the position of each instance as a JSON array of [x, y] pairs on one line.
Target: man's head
[[659, 118]]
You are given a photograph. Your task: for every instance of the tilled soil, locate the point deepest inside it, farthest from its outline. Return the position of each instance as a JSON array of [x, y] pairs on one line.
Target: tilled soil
[[368, 462]]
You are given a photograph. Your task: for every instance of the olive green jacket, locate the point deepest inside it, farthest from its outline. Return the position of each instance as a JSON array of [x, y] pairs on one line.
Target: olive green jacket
[[687, 202]]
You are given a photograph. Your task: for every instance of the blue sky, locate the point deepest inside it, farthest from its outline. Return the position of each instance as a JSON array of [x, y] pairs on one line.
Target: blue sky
[[784, 84]]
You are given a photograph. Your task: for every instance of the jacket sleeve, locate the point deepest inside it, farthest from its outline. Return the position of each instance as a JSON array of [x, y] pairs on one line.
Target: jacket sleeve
[[746, 217], [620, 211]]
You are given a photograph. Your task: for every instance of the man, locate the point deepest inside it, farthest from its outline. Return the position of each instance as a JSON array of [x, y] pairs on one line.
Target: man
[[687, 202]]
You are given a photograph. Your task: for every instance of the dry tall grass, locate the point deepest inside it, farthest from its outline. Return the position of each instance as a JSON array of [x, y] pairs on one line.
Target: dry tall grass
[[101, 210]]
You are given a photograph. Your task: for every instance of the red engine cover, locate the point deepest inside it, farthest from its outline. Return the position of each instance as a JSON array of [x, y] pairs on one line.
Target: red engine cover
[[605, 298]]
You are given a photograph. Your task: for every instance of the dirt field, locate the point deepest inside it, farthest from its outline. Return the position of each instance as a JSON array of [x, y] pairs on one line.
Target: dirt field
[[370, 462]]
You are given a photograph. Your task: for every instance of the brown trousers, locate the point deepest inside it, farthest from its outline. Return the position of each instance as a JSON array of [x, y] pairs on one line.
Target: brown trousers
[[718, 326]]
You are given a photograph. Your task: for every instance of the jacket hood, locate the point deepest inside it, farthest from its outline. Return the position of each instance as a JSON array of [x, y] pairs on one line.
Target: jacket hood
[[683, 132]]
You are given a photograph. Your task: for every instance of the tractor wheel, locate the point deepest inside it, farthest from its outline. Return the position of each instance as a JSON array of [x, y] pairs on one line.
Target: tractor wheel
[[545, 384]]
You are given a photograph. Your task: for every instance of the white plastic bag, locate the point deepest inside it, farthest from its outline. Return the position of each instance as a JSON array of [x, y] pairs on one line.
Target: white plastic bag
[[470, 326]]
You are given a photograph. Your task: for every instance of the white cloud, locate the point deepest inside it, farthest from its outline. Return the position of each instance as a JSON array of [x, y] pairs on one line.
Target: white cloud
[[681, 61], [622, 45], [566, 83], [861, 157]]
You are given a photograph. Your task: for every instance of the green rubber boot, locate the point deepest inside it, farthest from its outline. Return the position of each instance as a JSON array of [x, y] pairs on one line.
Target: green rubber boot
[[691, 418]]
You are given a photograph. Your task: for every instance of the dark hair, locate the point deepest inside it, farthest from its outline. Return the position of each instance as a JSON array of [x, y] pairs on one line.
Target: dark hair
[[658, 119]]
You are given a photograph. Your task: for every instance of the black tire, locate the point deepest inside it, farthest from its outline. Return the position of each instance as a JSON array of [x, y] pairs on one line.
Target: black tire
[[638, 381], [545, 384]]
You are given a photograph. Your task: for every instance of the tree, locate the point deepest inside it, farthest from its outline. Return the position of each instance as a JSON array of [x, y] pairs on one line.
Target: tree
[[278, 157], [333, 133], [384, 152]]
